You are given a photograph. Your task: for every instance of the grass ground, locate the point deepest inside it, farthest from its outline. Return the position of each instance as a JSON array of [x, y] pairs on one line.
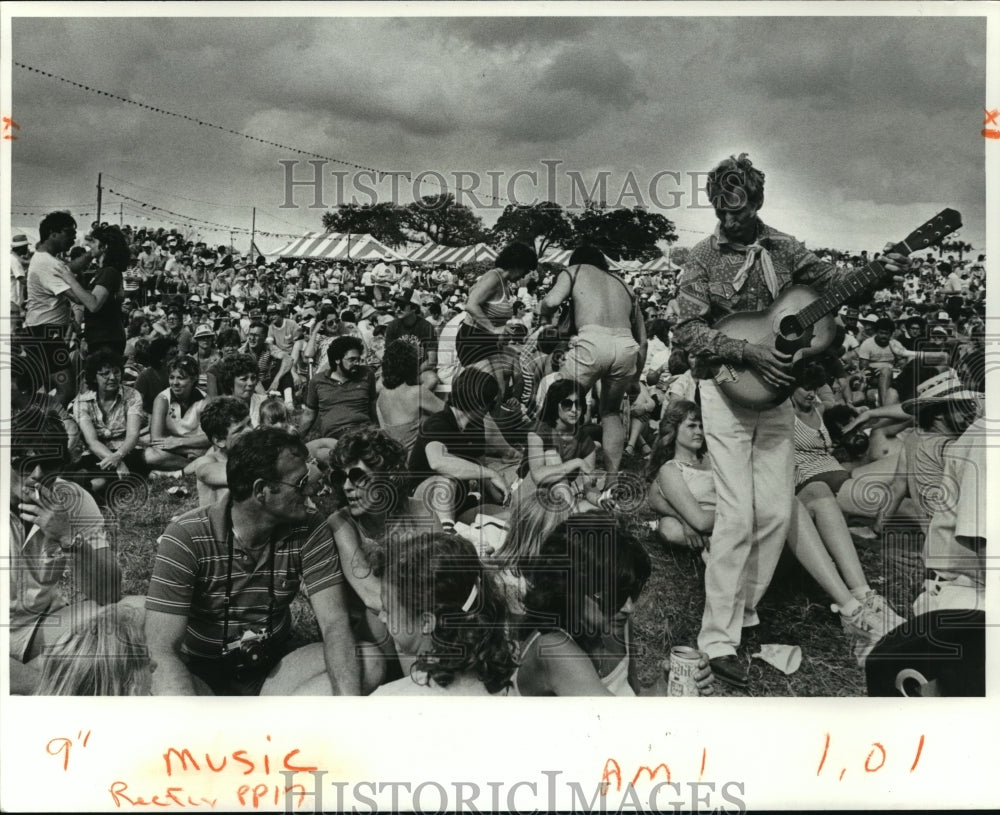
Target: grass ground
[[794, 611]]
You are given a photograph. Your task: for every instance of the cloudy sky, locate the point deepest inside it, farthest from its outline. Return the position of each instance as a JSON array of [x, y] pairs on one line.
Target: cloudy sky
[[864, 126]]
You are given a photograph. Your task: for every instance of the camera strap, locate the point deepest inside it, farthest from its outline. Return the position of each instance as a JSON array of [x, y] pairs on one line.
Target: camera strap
[[230, 552]]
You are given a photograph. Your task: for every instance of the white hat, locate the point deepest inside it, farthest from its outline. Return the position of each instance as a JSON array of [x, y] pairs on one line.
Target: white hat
[[869, 318], [945, 387], [203, 330], [944, 317], [19, 240]]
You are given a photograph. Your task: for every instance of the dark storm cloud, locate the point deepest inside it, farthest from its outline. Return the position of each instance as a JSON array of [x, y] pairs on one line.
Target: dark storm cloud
[[598, 76], [497, 32]]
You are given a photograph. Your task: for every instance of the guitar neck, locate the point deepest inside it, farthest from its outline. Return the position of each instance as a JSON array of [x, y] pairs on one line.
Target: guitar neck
[[840, 292]]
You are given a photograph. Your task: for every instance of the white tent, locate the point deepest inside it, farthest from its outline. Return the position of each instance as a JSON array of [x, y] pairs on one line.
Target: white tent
[[336, 246], [453, 255], [661, 264], [562, 256]]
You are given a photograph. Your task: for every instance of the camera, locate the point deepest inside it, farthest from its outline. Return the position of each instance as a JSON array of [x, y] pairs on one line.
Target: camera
[[249, 651]]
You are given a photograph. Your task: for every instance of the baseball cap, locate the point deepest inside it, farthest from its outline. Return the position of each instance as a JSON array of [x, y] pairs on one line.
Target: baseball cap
[[203, 330], [869, 318]]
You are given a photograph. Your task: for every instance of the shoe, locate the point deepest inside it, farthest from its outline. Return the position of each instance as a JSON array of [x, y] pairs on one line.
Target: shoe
[[863, 624], [877, 605], [730, 670], [863, 532]]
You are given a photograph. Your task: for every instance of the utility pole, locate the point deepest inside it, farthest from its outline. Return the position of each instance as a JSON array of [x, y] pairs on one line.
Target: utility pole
[[99, 191], [253, 232], [121, 214]]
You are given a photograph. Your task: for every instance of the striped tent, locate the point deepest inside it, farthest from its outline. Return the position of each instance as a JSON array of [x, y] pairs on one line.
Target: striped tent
[[452, 255], [457, 255], [562, 256], [336, 246], [425, 253], [661, 264]]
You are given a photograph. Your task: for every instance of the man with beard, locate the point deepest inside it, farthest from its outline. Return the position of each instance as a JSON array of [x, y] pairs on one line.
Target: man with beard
[[413, 328], [743, 266], [342, 397], [881, 353], [218, 616]]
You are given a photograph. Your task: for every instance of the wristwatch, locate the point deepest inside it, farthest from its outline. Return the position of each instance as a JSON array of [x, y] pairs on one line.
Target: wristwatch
[[75, 544]]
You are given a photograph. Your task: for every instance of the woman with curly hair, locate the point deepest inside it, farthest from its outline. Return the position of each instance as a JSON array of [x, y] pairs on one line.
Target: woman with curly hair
[[447, 618], [582, 589], [237, 376], [403, 400], [368, 473]]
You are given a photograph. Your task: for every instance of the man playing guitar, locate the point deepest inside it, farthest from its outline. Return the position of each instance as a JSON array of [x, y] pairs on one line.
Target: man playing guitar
[[742, 267]]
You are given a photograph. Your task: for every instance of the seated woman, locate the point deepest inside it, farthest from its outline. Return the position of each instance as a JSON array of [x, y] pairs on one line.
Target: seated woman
[[559, 455], [861, 493], [140, 327], [818, 535], [404, 401], [237, 376], [368, 473], [104, 655], [582, 588], [447, 619], [110, 417], [451, 448], [679, 468], [175, 434]]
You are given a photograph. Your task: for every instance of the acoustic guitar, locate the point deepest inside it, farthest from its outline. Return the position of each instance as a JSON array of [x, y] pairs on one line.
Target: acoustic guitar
[[800, 322]]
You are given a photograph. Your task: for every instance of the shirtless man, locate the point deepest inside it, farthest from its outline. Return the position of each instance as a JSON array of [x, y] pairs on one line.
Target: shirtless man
[[610, 345]]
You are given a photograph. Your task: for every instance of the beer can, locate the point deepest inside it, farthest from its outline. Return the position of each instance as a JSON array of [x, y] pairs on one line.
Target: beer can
[[683, 667]]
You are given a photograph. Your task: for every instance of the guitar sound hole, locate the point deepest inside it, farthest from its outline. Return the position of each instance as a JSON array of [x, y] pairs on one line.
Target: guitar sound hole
[[790, 327]]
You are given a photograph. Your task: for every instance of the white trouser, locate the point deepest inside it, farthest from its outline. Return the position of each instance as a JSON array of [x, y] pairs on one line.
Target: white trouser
[[753, 462]]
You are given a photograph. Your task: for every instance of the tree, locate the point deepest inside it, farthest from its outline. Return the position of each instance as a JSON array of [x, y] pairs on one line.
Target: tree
[[383, 221], [679, 255], [623, 234], [540, 225], [439, 218]]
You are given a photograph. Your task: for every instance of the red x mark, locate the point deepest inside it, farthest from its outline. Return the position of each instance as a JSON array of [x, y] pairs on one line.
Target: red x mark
[[7, 124], [991, 117]]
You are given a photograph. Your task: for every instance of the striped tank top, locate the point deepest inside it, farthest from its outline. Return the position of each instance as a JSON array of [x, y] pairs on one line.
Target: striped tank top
[[813, 448]]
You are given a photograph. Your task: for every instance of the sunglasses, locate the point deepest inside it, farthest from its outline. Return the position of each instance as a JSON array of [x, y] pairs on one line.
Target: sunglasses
[[303, 486], [569, 404], [356, 475]]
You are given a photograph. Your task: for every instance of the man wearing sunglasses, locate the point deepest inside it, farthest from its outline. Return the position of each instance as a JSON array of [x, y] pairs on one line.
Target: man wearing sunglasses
[[218, 614]]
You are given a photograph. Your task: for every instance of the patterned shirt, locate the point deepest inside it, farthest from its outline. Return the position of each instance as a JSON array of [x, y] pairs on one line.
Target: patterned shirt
[[110, 429], [707, 293], [192, 565]]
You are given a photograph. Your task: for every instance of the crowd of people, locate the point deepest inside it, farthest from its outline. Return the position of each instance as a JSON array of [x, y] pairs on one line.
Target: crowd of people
[[445, 459]]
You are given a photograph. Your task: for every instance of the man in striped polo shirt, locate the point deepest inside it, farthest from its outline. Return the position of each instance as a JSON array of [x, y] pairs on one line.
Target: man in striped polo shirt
[[217, 612]]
